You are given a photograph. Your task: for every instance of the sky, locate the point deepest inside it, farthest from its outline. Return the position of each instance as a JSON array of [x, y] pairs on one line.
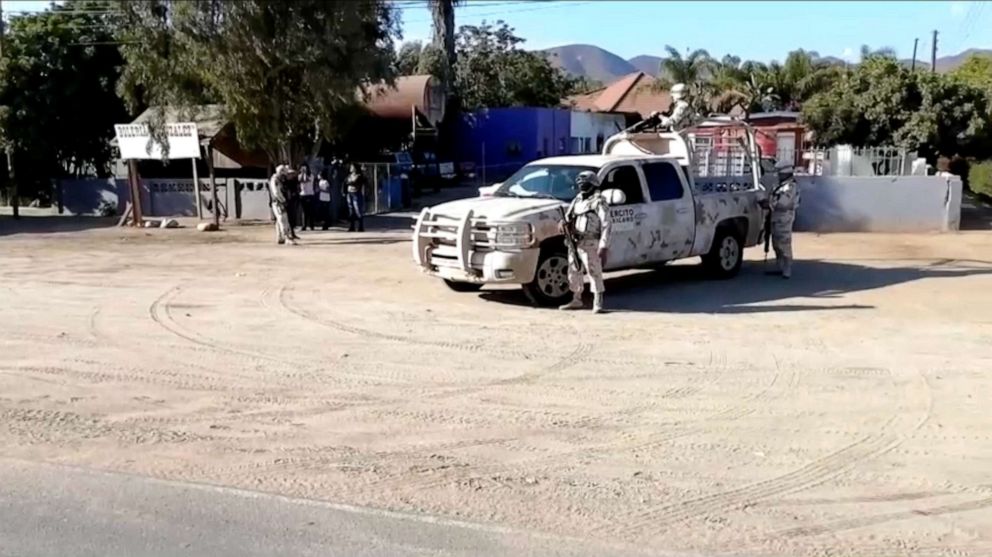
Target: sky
[[752, 30]]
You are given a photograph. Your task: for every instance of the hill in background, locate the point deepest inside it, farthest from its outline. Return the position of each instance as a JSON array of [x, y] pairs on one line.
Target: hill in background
[[601, 65]]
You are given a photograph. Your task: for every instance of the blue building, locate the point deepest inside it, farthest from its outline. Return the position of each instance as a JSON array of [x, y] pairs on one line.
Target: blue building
[[504, 139]]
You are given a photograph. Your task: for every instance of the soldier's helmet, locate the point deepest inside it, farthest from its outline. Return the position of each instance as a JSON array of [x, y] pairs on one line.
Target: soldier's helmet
[[678, 91], [587, 180]]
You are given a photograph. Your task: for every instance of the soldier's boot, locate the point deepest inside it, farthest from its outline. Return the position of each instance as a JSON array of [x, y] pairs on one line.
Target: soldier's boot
[[597, 302], [786, 267], [576, 303]]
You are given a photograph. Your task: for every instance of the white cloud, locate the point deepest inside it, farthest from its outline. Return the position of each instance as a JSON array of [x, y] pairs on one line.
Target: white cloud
[[847, 54], [959, 8]]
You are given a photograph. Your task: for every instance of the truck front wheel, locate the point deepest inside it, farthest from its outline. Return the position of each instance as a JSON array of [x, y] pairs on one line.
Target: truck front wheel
[[550, 284], [726, 255]]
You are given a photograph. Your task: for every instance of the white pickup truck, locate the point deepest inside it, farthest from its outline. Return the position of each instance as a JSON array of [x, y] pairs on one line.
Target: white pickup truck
[[672, 196]]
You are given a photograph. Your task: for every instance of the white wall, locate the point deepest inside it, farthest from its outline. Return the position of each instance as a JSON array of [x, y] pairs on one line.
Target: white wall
[[592, 125], [879, 203]]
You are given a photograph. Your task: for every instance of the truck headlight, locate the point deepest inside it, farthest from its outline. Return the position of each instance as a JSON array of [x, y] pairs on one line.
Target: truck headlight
[[513, 235]]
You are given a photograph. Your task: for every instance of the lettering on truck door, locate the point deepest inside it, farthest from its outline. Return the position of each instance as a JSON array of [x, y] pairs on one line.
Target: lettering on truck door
[[628, 218], [672, 203]]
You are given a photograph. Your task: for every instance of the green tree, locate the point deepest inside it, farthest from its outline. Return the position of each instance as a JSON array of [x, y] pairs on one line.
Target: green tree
[[57, 79], [286, 72], [492, 71], [880, 102], [408, 58], [976, 71]]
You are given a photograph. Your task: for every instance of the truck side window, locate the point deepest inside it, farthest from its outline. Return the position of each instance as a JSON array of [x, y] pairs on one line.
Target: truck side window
[[664, 183], [625, 179]]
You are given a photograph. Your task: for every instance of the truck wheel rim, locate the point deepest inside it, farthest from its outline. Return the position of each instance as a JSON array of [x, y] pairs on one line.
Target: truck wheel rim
[[729, 253], [552, 276]]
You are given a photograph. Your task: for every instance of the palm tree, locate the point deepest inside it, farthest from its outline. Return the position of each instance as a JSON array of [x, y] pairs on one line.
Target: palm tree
[[693, 70]]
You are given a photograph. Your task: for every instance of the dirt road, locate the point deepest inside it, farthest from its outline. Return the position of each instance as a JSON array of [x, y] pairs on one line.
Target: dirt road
[[844, 412]]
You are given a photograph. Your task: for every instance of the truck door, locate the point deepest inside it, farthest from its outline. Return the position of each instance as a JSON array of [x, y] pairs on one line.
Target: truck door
[[674, 223], [628, 218]]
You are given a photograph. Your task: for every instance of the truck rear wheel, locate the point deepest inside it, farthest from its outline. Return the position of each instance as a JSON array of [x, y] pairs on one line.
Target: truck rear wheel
[[550, 284], [462, 286], [726, 255]]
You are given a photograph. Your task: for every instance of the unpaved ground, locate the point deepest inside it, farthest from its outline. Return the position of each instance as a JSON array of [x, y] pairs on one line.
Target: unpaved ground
[[842, 413]]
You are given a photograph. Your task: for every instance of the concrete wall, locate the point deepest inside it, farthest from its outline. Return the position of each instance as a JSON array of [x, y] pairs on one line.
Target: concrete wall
[[879, 203], [161, 197]]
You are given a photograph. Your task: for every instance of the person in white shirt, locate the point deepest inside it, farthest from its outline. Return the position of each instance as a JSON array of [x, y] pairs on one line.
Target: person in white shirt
[[324, 201], [307, 197]]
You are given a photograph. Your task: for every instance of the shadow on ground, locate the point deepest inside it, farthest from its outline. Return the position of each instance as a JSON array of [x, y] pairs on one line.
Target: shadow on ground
[[52, 224], [976, 212], [816, 285]]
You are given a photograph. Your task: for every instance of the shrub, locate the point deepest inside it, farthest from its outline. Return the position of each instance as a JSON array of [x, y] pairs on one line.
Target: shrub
[[980, 178]]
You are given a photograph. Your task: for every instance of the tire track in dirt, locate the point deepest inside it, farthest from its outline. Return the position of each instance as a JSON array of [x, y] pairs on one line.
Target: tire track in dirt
[[40, 426], [811, 475], [576, 356], [429, 479], [874, 520], [160, 313]]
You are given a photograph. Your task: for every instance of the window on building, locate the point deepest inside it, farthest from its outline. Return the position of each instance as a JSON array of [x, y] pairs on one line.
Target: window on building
[[664, 183], [626, 179], [588, 145]]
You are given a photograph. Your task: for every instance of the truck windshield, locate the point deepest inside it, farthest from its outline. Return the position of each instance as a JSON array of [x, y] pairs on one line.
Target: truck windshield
[[543, 180]]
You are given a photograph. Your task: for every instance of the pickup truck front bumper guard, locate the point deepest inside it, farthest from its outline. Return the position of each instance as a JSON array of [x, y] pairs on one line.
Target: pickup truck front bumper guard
[[441, 241]]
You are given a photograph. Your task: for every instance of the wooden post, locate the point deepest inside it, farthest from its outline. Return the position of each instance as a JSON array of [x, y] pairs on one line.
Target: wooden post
[[196, 191], [135, 181], [213, 183]]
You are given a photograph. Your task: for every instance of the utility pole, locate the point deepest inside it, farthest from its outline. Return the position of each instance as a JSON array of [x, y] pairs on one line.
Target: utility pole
[[933, 53], [912, 66], [14, 201]]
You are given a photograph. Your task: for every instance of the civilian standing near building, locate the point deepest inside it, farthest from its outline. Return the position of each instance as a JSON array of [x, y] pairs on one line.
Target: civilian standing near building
[[324, 201], [355, 186], [291, 184], [307, 197]]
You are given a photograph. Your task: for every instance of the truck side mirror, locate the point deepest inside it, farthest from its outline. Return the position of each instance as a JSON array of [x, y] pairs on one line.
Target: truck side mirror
[[614, 197]]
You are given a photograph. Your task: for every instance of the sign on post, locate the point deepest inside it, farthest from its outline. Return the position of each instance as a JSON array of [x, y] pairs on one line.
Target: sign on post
[[135, 142]]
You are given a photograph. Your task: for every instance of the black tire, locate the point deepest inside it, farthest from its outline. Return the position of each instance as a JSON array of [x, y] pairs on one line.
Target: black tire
[[550, 285], [462, 286], [726, 255]]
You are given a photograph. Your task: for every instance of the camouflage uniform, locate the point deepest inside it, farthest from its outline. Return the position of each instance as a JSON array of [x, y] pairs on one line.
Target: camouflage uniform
[[283, 231], [784, 201], [590, 218]]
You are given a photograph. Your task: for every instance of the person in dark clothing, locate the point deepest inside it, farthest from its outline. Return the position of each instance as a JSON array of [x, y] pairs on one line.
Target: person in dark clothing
[[291, 185], [355, 186]]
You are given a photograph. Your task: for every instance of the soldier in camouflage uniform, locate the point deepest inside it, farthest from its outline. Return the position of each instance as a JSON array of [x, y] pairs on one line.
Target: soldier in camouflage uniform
[[589, 218], [783, 202], [681, 116], [277, 192]]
